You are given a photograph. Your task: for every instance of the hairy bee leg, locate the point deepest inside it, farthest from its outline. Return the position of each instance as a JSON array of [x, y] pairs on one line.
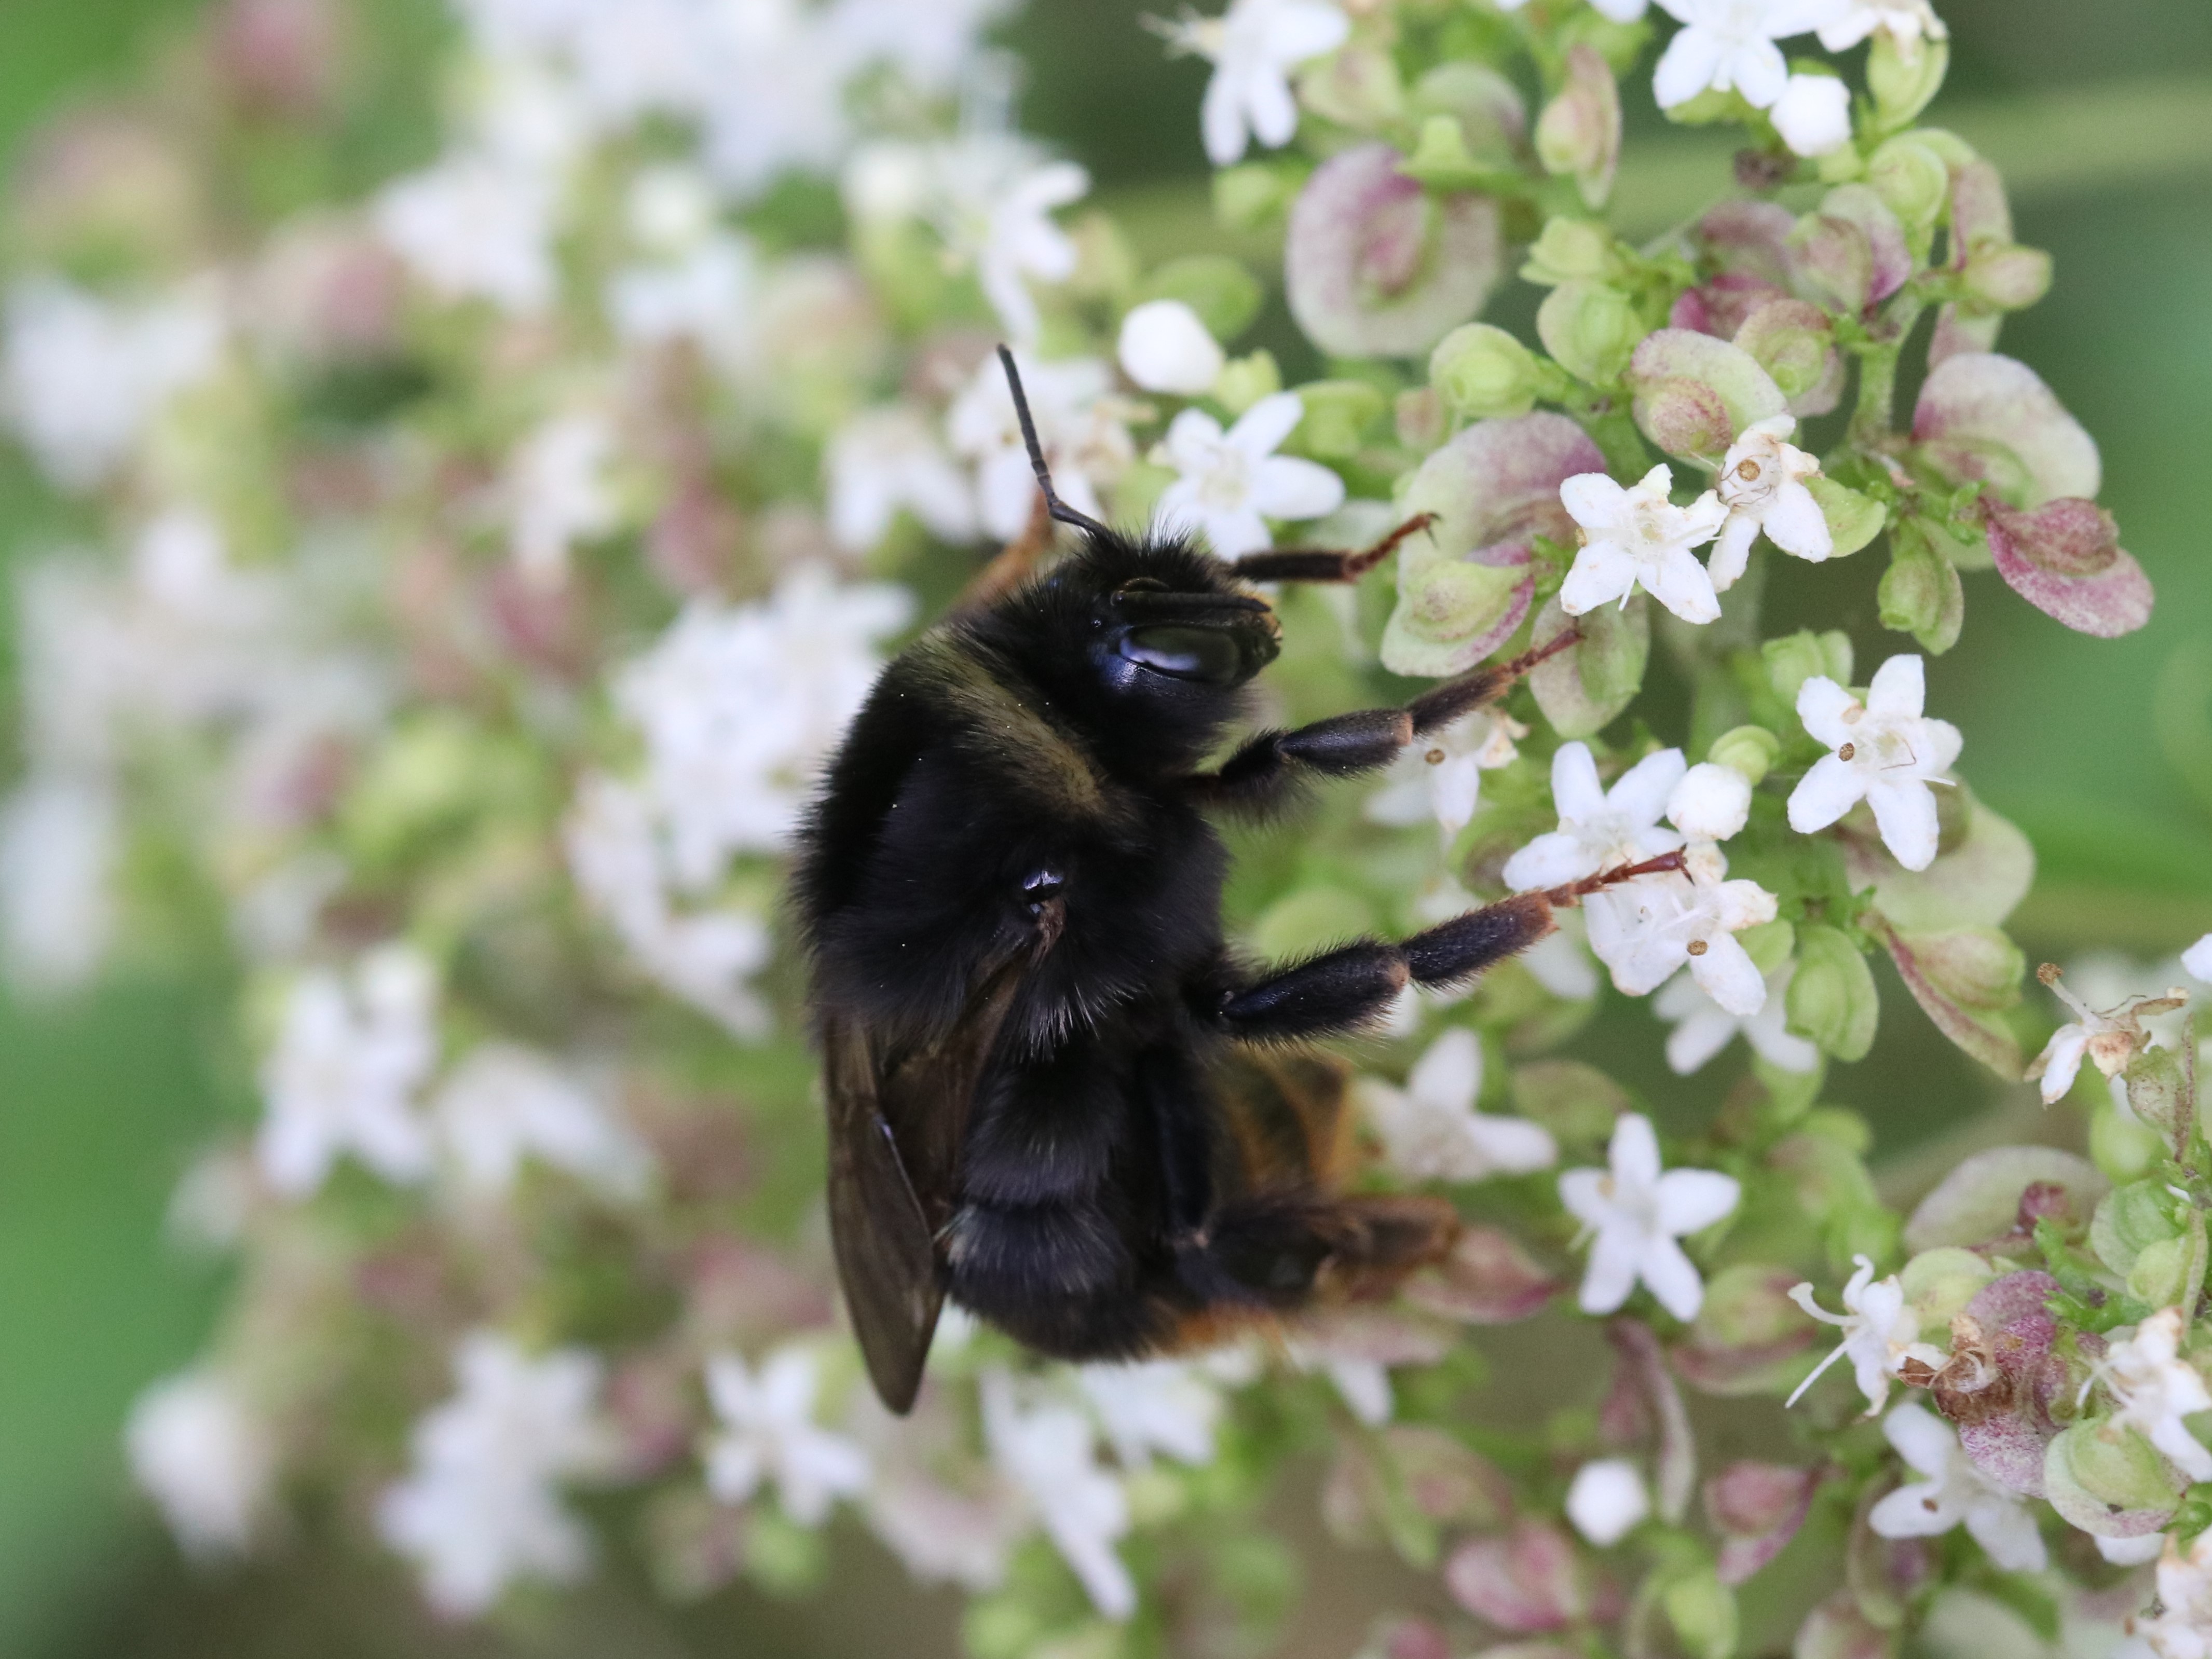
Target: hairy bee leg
[[1265, 770], [1316, 564]]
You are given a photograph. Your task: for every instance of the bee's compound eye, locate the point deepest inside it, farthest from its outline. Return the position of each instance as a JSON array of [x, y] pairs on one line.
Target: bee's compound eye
[[1142, 585], [1208, 654], [1040, 887]]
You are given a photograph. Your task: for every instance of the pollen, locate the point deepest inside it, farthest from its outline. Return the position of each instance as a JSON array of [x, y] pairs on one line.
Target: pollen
[[1746, 471], [1435, 757], [1847, 751]]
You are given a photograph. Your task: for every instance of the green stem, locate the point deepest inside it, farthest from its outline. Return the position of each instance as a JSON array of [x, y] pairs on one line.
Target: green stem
[[1612, 429], [1873, 420]]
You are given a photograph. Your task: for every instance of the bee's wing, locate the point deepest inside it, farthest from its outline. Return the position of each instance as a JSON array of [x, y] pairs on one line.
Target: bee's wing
[[896, 1127]]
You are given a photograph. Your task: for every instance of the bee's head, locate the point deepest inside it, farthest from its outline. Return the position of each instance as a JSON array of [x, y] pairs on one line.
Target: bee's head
[[1168, 624]]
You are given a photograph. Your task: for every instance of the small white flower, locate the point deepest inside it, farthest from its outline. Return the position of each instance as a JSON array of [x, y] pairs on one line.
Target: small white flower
[[1082, 431], [1431, 1130], [1762, 484], [1953, 1491], [1165, 347], [768, 1432], [1634, 1213], [1050, 1453], [1844, 23], [475, 228], [1711, 803], [1703, 1028], [1886, 753], [202, 1455], [705, 294], [1229, 484], [2183, 1628], [2112, 1039], [1608, 1500], [2155, 1388], [1560, 961], [343, 1075], [1250, 46], [481, 1505], [1644, 929], [885, 459], [1441, 777], [1729, 44], [1153, 1406], [1813, 114], [2198, 959], [1881, 1333], [1638, 536], [991, 196], [558, 495], [1599, 829], [58, 847], [505, 1103]]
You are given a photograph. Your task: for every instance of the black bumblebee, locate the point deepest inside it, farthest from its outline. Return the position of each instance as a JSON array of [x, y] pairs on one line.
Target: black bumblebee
[[1054, 1093]]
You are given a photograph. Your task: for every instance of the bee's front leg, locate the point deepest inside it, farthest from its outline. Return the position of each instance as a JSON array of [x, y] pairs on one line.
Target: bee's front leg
[[1317, 564]]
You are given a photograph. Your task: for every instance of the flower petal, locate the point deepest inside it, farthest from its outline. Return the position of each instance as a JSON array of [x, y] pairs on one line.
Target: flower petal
[[1673, 1278], [1692, 59], [1905, 812], [1731, 554], [1698, 1039], [1550, 860], [1285, 486], [1679, 583], [1611, 1273], [1899, 691], [1594, 502], [1603, 573], [1576, 792], [1449, 1076], [1822, 706], [1633, 1151], [1686, 1200], [1260, 429], [1795, 524], [1824, 794], [1728, 975]]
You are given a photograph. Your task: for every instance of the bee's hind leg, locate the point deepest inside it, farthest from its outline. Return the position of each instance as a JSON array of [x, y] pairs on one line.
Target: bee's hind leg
[[1287, 1252]]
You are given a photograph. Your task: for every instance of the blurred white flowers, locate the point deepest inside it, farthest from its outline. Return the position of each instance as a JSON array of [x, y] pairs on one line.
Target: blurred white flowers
[[1608, 1500], [505, 1103], [1251, 46], [1952, 1491], [1081, 429], [1229, 483], [57, 849], [1049, 1452], [558, 494], [1431, 1130], [1632, 1214], [1148, 1405], [767, 1433], [1728, 45], [202, 1454], [476, 228], [885, 461]]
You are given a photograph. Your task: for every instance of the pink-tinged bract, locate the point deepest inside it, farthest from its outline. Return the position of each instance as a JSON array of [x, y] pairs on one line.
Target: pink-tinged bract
[[1989, 418], [2064, 558]]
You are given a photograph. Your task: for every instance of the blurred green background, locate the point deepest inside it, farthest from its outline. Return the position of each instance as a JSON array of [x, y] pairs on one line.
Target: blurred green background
[[2101, 114]]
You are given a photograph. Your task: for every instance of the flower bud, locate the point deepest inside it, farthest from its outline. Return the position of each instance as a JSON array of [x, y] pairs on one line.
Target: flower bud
[[1702, 1610], [1853, 520], [1590, 330], [1938, 1283], [1570, 248], [2009, 278], [1813, 114], [2114, 1466], [1257, 195], [1710, 802], [1905, 78], [2122, 1147], [1749, 749], [1832, 999], [1529, 1581], [1245, 381], [1834, 261], [1794, 340], [1796, 658], [2160, 1276], [1920, 594], [1608, 1500], [1337, 416], [1164, 347], [1355, 86], [1909, 176], [1482, 371], [1484, 106], [1579, 132], [1440, 158]]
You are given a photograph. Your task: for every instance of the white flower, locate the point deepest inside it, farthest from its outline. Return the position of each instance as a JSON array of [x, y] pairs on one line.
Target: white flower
[[1560, 961], [2183, 1628], [1881, 1333], [474, 228], [990, 196], [1846, 22], [1762, 484], [2112, 1039], [1153, 1404], [1638, 536], [83, 378], [1634, 1213], [558, 495], [1952, 1491], [885, 459], [1250, 46], [1644, 929], [1441, 777], [1726, 43], [1608, 1500], [1431, 1130], [480, 1506], [505, 1103], [1813, 114], [1599, 829], [2155, 1388], [768, 1432], [344, 1074], [202, 1455], [1703, 1028], [1711, 803], [58, 843], [1165, 348], [1229, 484], [1050, 1452], [705, 294], [1083, 432], [1886, 753], [2198, 959]]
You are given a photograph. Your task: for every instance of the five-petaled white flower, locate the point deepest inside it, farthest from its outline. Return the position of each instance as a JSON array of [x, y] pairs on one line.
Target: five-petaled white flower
[[883, 460], [343, 1075], [506, 1102], [1149, 1405], [1762, 484], [1441, 777], [1164, 347], [2155, 1388], [1887, 754], [1634, 1214], [1050, 1453], [1230, 483], [995, 205], [1703, 1028], [1600, 828], [1813, 114], [768, 1432], [1843, 23], [1431, 1130], [1881, 1333], [1608, 1500], [2183, 1628], [1729, 44], [1953, 1491], [1639, 537], [1250, 46], [205, 1457], [1644, 929], [2112, 1039], [1080, 429]]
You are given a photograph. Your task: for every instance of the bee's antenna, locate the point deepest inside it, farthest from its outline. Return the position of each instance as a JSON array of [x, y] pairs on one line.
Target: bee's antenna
[[1059, 509]]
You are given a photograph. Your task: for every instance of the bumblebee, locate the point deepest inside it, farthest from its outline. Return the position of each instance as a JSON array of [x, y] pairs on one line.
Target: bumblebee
[[1055, 1094]]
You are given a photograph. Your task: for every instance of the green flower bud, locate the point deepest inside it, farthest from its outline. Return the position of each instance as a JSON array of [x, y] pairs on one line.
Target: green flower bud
[[1832, 998], [1904, 79], [1257, 195], [1225, 296], [1749, 749], [1938, 1283], [1485, 106], [1480, 371], [1794, 342], [1245, 381], [1590, 330], [2115, 1466], [2122, 1147], [1702, 1610], [1792, 660], [1440, 158], [1853, 520], [1909, 175], [1579, 132], [2007, 279], [2160, 1277], [1355, 86], [1337, 416], [1920, 594], [1570, 248]]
